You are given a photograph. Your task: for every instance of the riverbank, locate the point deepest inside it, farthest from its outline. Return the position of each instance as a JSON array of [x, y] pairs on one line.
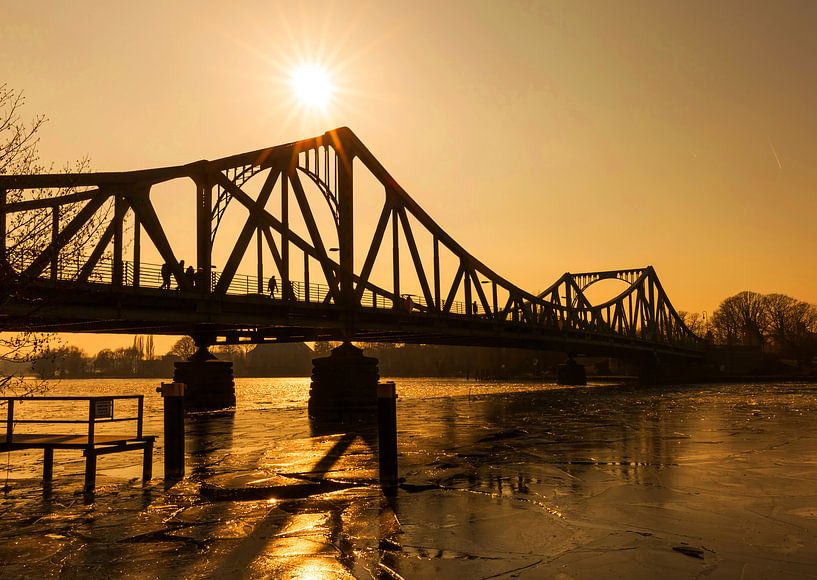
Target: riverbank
[[499, 480]]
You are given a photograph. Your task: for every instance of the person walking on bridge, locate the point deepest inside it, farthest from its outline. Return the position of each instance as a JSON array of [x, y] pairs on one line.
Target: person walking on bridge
[[165, 277], [272, 286], [184, 273]]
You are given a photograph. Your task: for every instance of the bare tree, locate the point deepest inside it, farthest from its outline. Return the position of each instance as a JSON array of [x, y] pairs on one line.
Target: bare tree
[[792, 327], [184, 348], [742, 319], [28, 232], [696, 322]]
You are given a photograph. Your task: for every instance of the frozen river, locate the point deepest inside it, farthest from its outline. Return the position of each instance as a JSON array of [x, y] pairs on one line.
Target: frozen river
[[501, 480]]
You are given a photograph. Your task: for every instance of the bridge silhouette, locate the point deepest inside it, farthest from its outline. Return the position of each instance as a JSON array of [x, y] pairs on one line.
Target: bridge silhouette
[[398, 277]]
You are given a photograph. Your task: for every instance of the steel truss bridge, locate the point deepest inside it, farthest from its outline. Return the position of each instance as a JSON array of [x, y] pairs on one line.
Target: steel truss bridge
[[72, 261]]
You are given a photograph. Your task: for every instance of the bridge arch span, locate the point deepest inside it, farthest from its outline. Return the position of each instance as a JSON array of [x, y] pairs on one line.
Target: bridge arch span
[[332, 285]]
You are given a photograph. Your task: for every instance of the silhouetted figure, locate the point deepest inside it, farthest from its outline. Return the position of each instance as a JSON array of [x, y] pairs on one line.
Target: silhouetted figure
[[165, 277], [272, 286], [408, 304], [474, 307], [181, 265], [202, 280], [190, 277]]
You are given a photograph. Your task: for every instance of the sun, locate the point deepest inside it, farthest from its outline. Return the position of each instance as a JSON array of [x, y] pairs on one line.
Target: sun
[[312, 85]]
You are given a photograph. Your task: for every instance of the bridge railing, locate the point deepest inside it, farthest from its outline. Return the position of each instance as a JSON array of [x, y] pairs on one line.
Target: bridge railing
[[150, 276]]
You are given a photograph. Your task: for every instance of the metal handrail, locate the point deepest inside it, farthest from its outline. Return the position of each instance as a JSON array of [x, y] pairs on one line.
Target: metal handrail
[[150, 276], [92, 419]]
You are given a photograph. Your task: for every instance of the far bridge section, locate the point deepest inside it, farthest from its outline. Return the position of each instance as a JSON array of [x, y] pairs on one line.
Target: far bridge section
[[315, 241]]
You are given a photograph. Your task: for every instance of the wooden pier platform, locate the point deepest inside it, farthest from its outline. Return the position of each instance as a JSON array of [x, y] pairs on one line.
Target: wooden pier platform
[[92, 444]]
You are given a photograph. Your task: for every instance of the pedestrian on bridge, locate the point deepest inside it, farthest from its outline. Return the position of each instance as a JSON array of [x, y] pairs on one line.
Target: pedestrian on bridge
[[184, 273], [190, 278], [272, 286], [202, 280], [165, 277]]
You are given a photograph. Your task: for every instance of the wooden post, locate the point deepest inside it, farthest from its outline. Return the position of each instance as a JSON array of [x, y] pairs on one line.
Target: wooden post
[[90, 454], [90, 469], [387, 437], [48, 464], [10, 422], [91, 420], [140, 414], [147, 461], [173, 396]]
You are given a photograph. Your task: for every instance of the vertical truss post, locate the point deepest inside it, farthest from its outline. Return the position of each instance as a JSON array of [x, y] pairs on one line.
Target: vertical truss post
[[137, 249], [395, 255], [346, 232], [204, 211], [496, 306], [285, 294], [568, 304], [467, 282], [119, 217], [437, 305], [259, 247], [306, 277], [55, 234]]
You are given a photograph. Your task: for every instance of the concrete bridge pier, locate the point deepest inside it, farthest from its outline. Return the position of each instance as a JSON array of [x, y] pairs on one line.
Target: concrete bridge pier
[[655, 370], [571, 373], [209, 381], [345, 381]]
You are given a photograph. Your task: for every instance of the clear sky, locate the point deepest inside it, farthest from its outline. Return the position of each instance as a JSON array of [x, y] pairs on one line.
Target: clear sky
[[544, 136]]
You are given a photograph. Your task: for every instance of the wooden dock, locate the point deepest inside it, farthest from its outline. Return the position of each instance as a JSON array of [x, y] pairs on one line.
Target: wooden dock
[[100, 411]]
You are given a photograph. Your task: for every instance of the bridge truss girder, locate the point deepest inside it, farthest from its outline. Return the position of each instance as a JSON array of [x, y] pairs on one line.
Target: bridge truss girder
[[349, 299]]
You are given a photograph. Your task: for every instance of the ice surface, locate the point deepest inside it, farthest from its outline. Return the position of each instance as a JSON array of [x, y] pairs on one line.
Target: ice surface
[[601, 482]]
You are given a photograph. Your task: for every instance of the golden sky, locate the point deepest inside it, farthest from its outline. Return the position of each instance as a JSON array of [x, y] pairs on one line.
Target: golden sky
[[544, 136]]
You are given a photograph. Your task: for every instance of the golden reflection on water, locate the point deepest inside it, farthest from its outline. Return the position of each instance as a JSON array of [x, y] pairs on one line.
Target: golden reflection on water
[[493, 482]]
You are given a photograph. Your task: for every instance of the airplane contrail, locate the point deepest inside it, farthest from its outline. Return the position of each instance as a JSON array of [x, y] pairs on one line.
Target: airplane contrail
[[776, 158]]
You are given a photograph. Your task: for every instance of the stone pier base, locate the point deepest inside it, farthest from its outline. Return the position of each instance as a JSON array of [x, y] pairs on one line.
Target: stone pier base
[[209, 381], [344, 381], [571, 373]]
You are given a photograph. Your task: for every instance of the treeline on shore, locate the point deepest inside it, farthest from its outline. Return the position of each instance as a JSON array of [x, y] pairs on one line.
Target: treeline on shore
[[295, 359], [781, 328]]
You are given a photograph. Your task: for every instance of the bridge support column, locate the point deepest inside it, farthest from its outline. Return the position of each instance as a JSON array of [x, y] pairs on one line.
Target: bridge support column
[[654, 370], [571, 373], [209, 381], [344, 381]]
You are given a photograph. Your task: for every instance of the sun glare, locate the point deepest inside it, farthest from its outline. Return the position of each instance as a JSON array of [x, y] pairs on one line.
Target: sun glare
[[312, 85]]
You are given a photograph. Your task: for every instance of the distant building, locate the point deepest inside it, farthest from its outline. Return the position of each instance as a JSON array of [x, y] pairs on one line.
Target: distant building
[[293, 359]]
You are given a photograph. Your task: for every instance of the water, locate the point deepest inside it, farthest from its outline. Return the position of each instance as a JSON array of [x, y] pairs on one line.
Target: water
[[500, 480]]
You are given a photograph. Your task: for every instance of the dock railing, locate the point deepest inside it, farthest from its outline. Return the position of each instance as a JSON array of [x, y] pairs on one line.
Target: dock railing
[[100, 411]]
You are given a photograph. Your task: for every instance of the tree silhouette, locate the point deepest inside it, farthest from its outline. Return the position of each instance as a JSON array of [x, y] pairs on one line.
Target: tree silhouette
[[28, 232]]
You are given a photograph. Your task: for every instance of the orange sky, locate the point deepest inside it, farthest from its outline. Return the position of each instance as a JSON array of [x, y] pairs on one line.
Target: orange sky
[[545, 137]]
